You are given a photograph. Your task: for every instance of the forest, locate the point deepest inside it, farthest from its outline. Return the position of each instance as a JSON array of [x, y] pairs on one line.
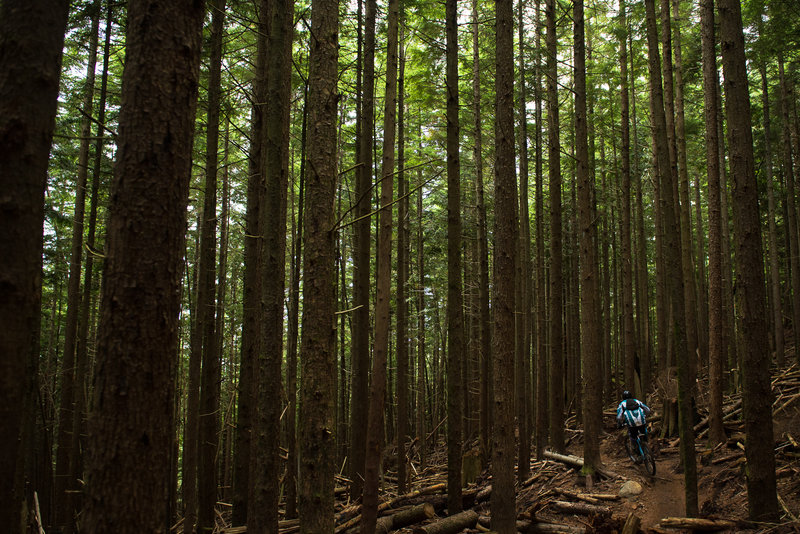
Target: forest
[[279, 266]]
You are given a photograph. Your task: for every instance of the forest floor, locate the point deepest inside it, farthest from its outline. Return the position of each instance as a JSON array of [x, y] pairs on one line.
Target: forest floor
[[555, 498]]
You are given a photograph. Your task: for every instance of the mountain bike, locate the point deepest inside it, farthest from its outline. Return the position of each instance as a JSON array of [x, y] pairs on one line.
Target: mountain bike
[[640, 452]]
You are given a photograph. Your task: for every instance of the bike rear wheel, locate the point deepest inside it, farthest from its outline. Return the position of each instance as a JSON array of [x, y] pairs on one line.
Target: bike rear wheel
[[648, 460]]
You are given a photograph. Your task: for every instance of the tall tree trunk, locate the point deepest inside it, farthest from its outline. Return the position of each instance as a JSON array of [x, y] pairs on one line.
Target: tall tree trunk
[[642, 282], [556, 276], [455, 317], [629, 341], [31, 42], [791, 220], [505, 239], [402, 279], [524, 293], [82, 350], [673, 256], [421, 329], [317, 354], [208, 446], [265, 465], [68, 451], [680, 193], [131, 423], [483, 244], [757, 393], [377, 394], [542, 422], [717, 349], [361, 291], [589, 287], [292, 329], [774, 269], [251, 286]]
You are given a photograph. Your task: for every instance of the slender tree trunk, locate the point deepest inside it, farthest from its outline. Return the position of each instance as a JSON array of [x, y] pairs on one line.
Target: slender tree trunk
[[455, 318], [71, 382], [82, 351], [672, 251], [421, 329], [402, 279], [208, 447], [131, 424], [375, 425], [251, 287], [556, 277], [774, 269], [542, 434], [524, 292], [791, 220], [642, 283], [292, 334], [483, 246], [318, 410], [716, 319], [757, 393], [680, 188], [31, 42], [589, 287], [361, 291], [502, 501], [265, 464], [629, 341]]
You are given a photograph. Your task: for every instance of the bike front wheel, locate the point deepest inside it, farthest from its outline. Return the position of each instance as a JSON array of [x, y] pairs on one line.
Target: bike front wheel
[[634, 455]]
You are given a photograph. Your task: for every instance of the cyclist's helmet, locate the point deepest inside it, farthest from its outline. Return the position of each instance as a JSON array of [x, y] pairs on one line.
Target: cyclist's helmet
[[626, 394]]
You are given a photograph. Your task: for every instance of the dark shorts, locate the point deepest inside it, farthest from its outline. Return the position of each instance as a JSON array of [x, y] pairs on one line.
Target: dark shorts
[[640, 430]]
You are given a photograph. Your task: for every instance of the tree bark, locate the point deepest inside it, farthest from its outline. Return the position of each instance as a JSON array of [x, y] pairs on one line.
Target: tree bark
[[318, 412], [455, 318], [556, 406], [524, 290], [265, 464], [542, 378], [629, 341], [131, 424], [774, 268], [360, 357], [377, 394], [208, 446], [589, 286], [757, 393], [70, 381], [403, 254], [505, 239], [251, 286], [31, 43], [717, 348], [483, 242], [454, 523]]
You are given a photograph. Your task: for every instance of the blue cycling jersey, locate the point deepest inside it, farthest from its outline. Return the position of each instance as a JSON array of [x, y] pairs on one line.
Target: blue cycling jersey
[[632, 412]]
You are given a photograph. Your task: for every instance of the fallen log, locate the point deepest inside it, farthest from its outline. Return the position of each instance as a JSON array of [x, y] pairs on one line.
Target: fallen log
[[417, 514], [631, 524], [451, 524], [581, 508], [577, 461], [591, 499], [536, 527], [695, 523]]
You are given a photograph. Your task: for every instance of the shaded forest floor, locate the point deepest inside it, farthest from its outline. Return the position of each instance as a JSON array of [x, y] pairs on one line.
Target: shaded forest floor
[[557, 499]]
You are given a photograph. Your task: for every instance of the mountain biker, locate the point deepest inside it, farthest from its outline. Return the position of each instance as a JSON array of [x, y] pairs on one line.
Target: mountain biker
[[633, 414]]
